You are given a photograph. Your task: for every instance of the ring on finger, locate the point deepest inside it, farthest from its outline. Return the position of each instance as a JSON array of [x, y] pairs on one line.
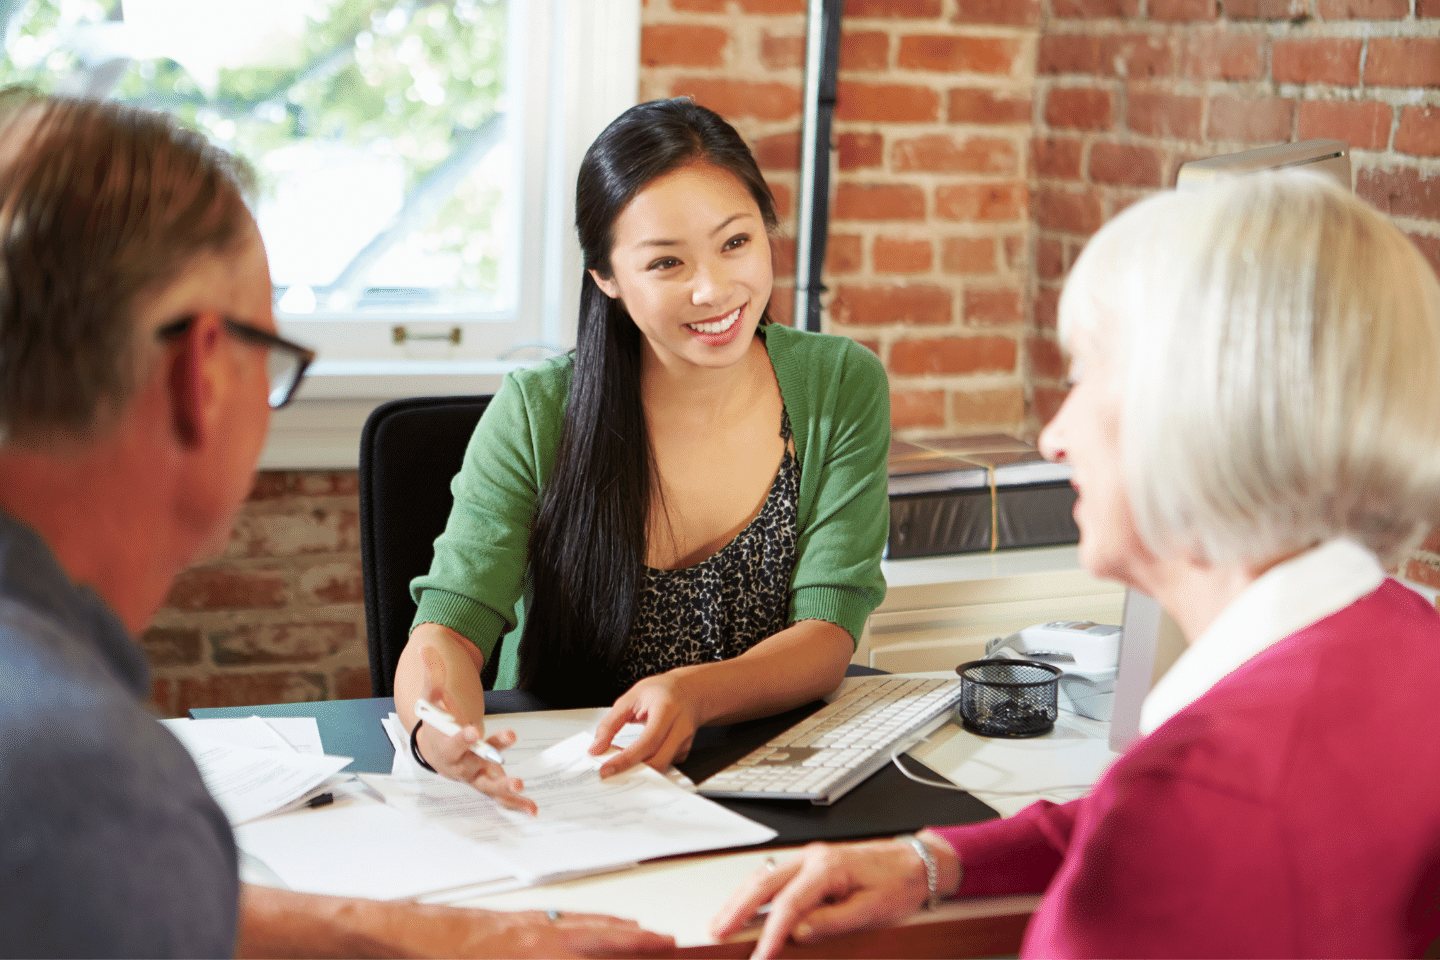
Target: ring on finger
[[770, 864], [554, 915]]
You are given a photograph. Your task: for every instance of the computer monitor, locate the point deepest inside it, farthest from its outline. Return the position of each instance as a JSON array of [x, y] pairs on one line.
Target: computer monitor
[[1330, 157]]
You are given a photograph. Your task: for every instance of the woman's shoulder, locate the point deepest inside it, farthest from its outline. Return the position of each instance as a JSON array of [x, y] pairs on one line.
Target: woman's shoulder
[[538, 387], [809, 344], [822, 360]]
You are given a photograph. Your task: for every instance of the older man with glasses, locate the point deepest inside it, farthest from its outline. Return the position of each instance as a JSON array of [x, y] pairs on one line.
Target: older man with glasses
[[133, 405]]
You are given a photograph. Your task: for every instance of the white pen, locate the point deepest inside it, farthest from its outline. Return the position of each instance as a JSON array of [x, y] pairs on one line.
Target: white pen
[[446, 724]]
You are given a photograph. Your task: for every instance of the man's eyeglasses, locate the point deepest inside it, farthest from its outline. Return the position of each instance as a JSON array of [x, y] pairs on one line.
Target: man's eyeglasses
[[285, 362]]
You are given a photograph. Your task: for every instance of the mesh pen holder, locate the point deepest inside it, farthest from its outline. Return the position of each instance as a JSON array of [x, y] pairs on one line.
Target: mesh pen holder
[[1008, 698]]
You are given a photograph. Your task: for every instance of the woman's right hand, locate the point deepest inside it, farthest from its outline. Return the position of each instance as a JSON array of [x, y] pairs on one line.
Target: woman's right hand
[[452, 757]]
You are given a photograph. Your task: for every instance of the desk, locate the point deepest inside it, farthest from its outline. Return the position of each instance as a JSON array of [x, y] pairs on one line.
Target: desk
[[1075, 753]]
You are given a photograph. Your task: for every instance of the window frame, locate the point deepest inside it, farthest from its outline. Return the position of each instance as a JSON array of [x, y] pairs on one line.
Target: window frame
[[582, 62]]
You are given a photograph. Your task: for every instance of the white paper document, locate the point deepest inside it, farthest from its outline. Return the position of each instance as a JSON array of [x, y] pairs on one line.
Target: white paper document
[[585, 824], [361, 847], [249, 781]]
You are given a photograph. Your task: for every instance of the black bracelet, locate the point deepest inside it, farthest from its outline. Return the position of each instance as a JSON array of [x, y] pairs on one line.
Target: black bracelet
[[415, 747]]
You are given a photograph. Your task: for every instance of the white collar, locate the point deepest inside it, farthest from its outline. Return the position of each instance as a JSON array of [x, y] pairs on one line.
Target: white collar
[[1289, 596]]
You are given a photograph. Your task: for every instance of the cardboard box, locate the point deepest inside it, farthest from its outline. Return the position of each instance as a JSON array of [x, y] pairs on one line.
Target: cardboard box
[[969, 494]]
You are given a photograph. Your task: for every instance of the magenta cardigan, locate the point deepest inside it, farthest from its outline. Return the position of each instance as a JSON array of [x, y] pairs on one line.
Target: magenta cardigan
[[1292, 811]]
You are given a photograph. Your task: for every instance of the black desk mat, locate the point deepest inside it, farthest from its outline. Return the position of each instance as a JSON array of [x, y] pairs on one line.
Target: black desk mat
[[883, 805]]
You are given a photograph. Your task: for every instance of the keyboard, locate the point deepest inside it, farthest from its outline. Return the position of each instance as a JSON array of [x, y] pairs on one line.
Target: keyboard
[[827, 754]]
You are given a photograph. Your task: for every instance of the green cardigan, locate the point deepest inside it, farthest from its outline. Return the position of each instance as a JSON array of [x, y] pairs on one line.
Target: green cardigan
[[838, 400]]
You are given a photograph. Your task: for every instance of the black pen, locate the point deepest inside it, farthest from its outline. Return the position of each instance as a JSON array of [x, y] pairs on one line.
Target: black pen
[[320, 800]]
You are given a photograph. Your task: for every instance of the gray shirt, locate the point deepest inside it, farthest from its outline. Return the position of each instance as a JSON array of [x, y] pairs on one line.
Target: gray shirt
[[110, 845]]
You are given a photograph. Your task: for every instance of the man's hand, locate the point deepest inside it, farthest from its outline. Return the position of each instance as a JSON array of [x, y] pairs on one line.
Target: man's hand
[[827, 890], [451, 755], [668, 711]]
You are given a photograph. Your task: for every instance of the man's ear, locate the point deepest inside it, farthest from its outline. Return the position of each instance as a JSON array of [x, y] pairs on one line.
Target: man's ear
[[606, 284], [192, 372]]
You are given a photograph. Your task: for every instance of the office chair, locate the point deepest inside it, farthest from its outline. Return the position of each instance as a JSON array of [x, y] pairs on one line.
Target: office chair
[[409, 451]]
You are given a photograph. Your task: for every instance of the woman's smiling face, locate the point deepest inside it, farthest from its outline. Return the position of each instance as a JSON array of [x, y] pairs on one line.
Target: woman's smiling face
[[691, 264]]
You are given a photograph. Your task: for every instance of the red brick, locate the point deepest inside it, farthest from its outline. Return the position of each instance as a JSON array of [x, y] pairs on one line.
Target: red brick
[[1403, 62], [782, 51], [1182, 11], [1427, 8], [779, 151], [327, 583], [352, 683], [1068, 211], [855, 201], [215, 588], [992, 307], [943, 153], [872, 345], [1080, 108], [987, 106], [1047, 400], [917, 9], [997, 407], [886, 102], [1056, 158], [1046, 361], [974, 256], [1070, 53], [683, 45], [857, 150], [1049, 258], [945, 53], [1330, 60], [869, 304], [171, 646], [917, 408], [782, 255], [1423, 572], [784, 198], [1017, 253], [734, 99], [1046, 307], [277, 643], [1015, 13], [1094, 9], [1419, 131], [1138, 56], [319, 483], [699, 6], [1363, 9], [775, 7], [953, 355], [1167, 115], [1251, 121], [1400, 192], [1223, 54], [272, 484], [864, 50], [248, 689], [980, 202], [782, 304], [900, 255], [1365, 125], [318, 530], [1124, 164], [1267, 9]]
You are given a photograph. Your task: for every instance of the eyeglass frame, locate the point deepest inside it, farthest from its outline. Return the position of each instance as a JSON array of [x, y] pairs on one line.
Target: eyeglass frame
[[304, 356]]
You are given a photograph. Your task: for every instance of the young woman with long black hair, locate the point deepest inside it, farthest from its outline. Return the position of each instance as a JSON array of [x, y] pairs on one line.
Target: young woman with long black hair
[[684, 517]]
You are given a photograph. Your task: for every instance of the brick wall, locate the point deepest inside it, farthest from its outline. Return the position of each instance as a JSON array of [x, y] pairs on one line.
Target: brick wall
[[929, 238], [980, 142]]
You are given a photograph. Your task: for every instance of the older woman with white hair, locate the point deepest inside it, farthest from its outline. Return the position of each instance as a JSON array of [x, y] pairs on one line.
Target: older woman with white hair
[[1254, 428]]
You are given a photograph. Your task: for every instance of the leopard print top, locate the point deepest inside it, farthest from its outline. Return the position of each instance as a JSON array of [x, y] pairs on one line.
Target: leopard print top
[[727, 603]]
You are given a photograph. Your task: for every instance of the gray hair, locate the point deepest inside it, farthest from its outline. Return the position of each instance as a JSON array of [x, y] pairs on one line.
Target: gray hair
[[1278, 343], [100, 204]]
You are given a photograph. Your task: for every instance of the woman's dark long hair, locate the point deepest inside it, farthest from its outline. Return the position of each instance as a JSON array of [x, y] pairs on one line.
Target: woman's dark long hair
[[587, 549]]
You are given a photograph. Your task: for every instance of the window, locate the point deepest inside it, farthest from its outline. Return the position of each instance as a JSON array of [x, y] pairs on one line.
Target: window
[[416, 160]]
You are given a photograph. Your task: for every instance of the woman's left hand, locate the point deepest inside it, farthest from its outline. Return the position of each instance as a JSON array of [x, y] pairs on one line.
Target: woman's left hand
[[670, 716]]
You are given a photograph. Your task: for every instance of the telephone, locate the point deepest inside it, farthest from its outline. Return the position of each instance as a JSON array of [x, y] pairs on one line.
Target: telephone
[[1088, 654]]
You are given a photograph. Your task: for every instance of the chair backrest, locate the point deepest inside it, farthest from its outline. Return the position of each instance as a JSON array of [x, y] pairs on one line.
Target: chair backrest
[[409, 452]]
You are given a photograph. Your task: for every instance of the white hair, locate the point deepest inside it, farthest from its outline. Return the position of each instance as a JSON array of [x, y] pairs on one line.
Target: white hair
[[1278, 349]]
